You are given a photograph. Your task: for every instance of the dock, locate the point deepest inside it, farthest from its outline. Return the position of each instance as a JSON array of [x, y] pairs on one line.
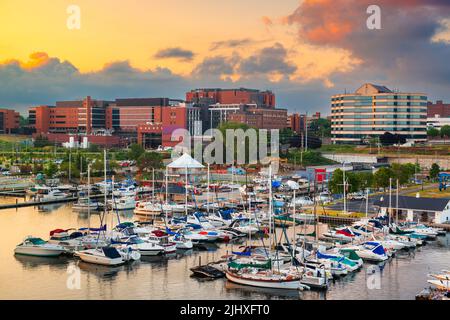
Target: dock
[[17, 204]]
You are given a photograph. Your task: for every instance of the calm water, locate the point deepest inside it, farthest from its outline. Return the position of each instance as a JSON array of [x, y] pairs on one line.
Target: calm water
[[24, 277]]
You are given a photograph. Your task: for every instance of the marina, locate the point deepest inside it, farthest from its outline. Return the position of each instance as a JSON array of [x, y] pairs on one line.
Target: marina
[[212, 240]]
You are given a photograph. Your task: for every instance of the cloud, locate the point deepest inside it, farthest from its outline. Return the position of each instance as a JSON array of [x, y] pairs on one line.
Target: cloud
[[268, 60], [175, 53], [410, 51], [233, 43], [21, 87]]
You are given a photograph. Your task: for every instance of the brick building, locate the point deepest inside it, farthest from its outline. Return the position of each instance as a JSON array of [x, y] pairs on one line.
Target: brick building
[[121, 117], [439, 109], [253, 107], [9, 121]]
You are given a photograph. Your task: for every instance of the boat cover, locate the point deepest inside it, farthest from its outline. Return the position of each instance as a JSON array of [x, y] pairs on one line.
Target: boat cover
[[111, 252]]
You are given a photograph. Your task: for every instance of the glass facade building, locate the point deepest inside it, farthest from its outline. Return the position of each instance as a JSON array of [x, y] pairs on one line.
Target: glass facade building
[[374, 110]]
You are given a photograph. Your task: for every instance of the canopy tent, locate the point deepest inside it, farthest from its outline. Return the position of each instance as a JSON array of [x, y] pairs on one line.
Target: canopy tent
[[185, 161]]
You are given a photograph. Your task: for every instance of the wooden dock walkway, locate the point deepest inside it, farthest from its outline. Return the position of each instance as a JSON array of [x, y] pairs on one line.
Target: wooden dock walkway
[[17, 204]]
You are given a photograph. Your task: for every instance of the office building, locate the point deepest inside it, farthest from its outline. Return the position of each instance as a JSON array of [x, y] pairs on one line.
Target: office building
[[374, 110]]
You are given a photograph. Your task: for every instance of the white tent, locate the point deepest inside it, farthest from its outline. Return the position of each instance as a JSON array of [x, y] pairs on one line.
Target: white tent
[[185, 161]]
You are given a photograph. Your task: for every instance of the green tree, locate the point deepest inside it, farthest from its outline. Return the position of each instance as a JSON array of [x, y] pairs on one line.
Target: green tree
[[336, 184], [434, 171], [381, 177], [320, 127], [433, 132], [149, 160], [365, 180], [445, 131], [136, 150], [51, 169]]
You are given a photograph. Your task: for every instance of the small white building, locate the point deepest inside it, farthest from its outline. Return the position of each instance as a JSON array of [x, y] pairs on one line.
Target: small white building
[[415, 209]]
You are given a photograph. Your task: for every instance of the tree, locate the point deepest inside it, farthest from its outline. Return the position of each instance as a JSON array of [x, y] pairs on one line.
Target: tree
[[433, 132], [136, 150], [445, 131], [41, 141], [320, 127], [149, 160], [51, 169], [365, 180], [381, 177], [336, 184], [434, 171]]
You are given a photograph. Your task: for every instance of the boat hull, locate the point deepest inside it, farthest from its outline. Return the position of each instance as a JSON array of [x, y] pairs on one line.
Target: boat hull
[[272, 284], [38, 252]]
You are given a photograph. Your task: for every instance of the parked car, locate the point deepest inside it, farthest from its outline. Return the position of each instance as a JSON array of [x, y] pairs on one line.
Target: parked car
[[357, 196]]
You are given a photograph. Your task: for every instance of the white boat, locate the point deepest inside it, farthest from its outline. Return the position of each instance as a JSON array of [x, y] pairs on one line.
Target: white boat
[[33, 246], [371, 251], [124, 203], [147, 209], [107, 256], [145, 248], [440, 284], [38, 189], [182, 243], [267, 279], [84, 204], [161, 238], [55, 195], [125, 191], [70, 242]]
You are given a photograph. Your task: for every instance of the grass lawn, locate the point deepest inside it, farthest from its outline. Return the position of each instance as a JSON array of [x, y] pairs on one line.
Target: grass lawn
[[13, 138], [432, 193], [335, 213]]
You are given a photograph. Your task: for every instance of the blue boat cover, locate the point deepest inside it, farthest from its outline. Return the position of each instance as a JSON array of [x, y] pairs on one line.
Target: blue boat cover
[[111, 252], [247, 252]]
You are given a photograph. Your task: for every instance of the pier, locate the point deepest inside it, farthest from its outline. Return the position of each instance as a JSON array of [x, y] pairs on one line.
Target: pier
[[42, 203]]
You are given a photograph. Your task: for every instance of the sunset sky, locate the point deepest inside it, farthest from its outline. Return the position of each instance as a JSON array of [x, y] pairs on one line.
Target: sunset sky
[[303, 50]]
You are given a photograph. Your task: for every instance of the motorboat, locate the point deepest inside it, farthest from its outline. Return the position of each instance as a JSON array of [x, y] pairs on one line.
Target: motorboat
[[124, 203], [33, 246], [182, 243], [145, 248], [85, 204], [125, 191], [70, 242], [107, 256], [147, 209], [55, 195], [244, 225], [371, 251], [161, 238]]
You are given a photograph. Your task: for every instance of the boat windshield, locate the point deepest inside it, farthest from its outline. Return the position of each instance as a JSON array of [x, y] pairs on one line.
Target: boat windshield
[[136, 240], [37, 241]]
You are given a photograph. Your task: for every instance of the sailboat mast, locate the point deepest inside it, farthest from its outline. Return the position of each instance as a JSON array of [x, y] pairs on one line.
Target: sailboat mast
[[89, 197], [270, 206], [153, 184], [186, 191], [396, 206], [167, 184], [208, 194], [390, 200], [367, 203], [293, 237], [105, 186]]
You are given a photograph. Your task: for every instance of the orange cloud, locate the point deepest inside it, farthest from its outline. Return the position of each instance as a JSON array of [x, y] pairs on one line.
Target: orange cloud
[[36, 60]]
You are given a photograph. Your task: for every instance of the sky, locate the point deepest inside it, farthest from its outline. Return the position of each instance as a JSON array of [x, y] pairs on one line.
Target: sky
[[305, 51]]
